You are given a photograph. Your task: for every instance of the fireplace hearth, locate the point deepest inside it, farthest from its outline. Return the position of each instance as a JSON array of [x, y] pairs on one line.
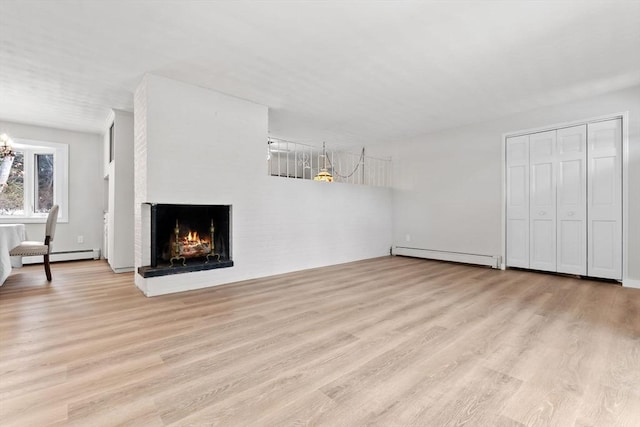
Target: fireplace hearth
[[186, 238]]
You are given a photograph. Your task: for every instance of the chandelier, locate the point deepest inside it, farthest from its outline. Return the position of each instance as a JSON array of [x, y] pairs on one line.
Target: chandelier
[[324, 175], [5, 149]]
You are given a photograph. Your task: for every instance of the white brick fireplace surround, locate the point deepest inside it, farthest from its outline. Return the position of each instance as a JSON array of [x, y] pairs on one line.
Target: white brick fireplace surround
[[197, 146]]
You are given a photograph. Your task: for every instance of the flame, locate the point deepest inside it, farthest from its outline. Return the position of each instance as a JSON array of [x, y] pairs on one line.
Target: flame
[[190, 244], [193, 237]]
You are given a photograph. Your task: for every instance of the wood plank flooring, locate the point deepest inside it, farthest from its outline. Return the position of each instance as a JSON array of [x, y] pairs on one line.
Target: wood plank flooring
[[391, 341]]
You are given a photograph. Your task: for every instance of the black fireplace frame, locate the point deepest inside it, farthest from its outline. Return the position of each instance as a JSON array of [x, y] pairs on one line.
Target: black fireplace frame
[[155, 269]]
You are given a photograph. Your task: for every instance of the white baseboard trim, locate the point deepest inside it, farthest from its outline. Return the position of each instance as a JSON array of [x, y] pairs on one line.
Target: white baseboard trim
[[123, 269], [631, 283], [64, 256], [493, 261]]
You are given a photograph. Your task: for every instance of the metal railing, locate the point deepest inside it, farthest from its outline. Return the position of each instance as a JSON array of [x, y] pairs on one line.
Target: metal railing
[[290, 159]]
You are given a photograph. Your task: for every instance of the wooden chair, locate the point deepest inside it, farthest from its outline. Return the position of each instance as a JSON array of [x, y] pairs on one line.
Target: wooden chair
[[28, 248]]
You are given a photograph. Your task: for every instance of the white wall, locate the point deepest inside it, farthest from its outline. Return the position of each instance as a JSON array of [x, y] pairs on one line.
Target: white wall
[[120, 192], [198, 146], [85, 186], [448, 192]]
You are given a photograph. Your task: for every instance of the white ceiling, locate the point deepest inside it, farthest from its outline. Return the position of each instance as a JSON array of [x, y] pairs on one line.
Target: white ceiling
[[345, 71]]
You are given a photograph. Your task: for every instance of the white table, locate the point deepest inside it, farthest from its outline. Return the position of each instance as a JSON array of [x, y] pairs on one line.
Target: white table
[[11, 235]]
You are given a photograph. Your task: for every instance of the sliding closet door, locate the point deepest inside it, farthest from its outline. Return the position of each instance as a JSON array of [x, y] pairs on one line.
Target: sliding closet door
[[571, 231], [542, 201], [517, 171], [604, 140]]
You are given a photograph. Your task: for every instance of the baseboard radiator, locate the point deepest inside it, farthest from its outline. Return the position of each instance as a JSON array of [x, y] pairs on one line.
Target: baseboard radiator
[[64, 256], [467, 258]]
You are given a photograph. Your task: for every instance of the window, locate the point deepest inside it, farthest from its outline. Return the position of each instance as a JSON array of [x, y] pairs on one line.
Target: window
[[37, 180]]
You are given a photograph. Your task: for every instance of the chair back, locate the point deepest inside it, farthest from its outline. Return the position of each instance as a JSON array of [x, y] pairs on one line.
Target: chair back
[[52, 220]]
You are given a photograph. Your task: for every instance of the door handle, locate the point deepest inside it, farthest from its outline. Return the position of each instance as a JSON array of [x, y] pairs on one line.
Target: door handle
[[542, 213], [571, 213]]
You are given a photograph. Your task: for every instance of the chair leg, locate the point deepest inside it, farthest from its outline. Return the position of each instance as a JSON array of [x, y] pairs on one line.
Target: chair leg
[[47, 267]]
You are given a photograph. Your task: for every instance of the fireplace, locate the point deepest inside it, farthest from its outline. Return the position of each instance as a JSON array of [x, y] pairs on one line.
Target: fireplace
[[187, 238]]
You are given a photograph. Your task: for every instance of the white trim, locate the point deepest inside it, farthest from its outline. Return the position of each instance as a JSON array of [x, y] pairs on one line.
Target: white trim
[[123, 269], [64, 256], [479, 259], [624, 116], [631, 283], [625, 196], [503, 211], [562, 125]]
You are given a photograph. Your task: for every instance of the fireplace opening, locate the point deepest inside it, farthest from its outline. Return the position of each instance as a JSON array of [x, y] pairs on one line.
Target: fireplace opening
[[188, 238]]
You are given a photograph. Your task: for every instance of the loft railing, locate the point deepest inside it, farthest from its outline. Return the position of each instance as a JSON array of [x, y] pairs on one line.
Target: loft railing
[[291, 159]]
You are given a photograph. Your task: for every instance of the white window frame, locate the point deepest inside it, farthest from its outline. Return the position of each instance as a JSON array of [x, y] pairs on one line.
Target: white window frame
[[60, 179]]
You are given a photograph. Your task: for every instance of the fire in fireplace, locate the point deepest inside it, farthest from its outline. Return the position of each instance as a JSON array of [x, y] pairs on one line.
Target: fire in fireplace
[[188, 238], [191, 245]]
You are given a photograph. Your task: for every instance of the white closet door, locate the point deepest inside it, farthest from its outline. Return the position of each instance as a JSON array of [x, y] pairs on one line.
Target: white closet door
[[604, 140], [517, 157], [542, 201], [571, 232]]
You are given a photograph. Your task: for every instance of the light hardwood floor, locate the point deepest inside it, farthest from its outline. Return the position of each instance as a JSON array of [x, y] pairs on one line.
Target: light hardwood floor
[[388, 342]]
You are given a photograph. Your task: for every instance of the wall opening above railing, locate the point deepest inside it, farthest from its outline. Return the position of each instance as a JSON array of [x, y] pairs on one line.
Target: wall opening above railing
[[289, 159]]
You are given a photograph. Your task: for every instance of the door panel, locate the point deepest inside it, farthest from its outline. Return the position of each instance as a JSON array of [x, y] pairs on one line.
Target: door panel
[[518, 189], [571, 140], [517, 239], [604, 256], [518, 150], [542, 199], [517, 243], [571, 207], [604, 186], [570, 182], [603, 170], [543, 188], [571, 256], [543, 244]]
